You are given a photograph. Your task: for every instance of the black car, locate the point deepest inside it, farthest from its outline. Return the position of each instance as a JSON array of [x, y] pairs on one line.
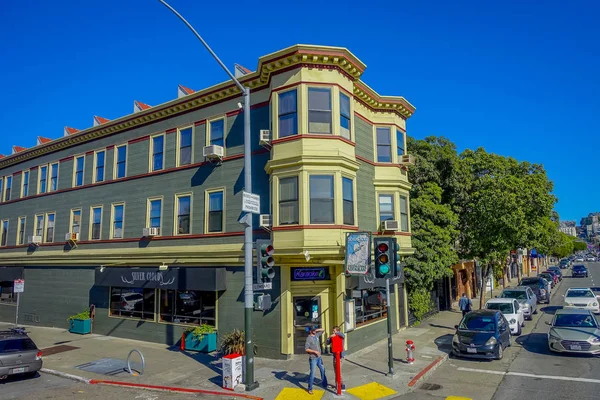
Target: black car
[[547, 276], [482, 334], [557, 271], [579, 271], [538, 286]]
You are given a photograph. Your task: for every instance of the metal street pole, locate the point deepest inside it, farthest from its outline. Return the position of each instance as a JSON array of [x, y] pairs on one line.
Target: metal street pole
[[248, 290], [389, 329]]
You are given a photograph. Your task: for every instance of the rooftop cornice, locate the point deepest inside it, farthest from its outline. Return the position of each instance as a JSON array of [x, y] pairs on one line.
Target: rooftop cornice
[[292, 57]]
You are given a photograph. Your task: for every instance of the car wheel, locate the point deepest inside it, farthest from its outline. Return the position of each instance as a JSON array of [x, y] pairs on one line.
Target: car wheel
[[509, 341], [499, 352], [535, 312], [519, 331], [523, 324]]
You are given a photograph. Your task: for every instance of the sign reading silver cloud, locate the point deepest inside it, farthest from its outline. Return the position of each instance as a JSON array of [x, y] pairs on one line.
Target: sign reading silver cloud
[[147, 276]]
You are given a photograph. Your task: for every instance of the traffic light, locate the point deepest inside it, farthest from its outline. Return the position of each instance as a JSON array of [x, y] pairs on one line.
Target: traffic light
[[397, 272], [384, 256], [265, 261]]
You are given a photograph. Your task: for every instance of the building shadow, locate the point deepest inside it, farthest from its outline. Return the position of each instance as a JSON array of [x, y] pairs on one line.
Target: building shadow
[[295, 378], [444, 342], [451, 328], [209, 360], [21, 377], [364, 367], [551, 310]]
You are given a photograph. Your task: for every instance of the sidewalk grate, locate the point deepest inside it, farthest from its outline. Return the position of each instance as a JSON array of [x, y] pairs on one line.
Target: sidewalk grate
[[57, 349]]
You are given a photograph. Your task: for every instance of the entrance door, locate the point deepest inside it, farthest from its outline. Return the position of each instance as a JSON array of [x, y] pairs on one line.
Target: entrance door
[[307, 315]]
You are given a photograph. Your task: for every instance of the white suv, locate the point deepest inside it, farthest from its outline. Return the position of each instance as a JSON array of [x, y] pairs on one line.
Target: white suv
[[582, 298]]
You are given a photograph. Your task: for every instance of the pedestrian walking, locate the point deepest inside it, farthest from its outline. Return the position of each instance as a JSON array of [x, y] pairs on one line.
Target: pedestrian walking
[[337, 333], [465, 304], [313, 348]]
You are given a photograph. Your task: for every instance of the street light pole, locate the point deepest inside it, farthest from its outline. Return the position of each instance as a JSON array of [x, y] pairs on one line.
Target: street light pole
[[248, 290]]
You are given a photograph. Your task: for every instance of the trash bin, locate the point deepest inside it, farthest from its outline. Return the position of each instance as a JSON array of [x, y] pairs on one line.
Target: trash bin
[[232, 371]]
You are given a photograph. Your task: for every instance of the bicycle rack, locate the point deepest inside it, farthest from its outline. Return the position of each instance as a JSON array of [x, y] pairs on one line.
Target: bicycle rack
[[129, 363]]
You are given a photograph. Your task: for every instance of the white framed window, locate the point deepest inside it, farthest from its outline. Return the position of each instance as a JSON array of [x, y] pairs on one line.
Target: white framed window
[[4, 233], [216, 132], [215, 210], [348, 200], [78, 170], [386, 207], [99, 164], [117, 221], [322, 204], [53, 177], [75, 222], [384, 144], [50, 223], [157, 152], [96, 222], [185, 138], [43, 179], [7, 187], [319, 110], [154, 213], [288, 201], [183, 213], [21, 230], [25, 184], [287, 113], [38, 227], [120, 168], [345, 121]]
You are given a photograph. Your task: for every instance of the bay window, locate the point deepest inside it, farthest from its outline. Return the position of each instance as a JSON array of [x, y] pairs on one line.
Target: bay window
[[287, 113], [288, 201], [321, 199], [319, 110], [384, 145]]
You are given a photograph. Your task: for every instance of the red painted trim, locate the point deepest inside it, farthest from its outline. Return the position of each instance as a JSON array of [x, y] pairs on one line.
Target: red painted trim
[[392, 233], [129, 178], [232, 113], [140, 139], [425, 370], [66, 159], [201, 122], [34, 167], [89, 153], [368, 121], [259, 105], [110, 147], [173, 389], [173, 130], [17, 173], [313, 136], [301, 227]]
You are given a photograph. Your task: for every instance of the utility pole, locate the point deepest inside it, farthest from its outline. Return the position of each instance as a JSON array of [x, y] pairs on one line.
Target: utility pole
[[248, 289]]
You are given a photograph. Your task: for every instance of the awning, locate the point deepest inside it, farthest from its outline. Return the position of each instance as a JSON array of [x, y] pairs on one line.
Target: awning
[[183, 278], [11, 273]]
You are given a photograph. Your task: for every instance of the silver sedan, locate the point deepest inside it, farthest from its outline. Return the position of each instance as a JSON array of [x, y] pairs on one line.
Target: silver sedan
[[574, 331]]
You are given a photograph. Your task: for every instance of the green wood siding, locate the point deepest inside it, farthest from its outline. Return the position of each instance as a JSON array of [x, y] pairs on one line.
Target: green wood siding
[[364, 139], [367, 207]]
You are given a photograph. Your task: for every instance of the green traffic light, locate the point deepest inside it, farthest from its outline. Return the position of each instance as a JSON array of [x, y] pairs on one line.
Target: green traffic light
[[384, 269]]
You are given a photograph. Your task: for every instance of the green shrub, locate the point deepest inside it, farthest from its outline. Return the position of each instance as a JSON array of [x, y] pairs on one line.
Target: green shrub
[[82, 315], [419, 301], [198, 332]]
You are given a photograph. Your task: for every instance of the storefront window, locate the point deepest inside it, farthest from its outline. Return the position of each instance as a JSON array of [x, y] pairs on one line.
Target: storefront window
[[192, 307], [7, 295], [132, 303], [369, 305]]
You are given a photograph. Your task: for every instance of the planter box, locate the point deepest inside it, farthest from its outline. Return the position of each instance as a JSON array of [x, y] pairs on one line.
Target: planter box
[[80, 326], [206, 345]]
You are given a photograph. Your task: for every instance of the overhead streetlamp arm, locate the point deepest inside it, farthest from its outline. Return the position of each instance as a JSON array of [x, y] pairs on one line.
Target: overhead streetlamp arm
[[212, 53]]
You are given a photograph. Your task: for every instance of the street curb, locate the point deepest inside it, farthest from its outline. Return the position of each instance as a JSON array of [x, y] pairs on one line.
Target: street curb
[[425, 372], [144, 386]]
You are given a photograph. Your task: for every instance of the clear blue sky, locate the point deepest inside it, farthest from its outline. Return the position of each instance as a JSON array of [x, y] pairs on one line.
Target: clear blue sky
[[516, 78]]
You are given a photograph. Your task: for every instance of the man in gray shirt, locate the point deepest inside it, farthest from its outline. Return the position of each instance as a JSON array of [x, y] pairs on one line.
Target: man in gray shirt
[[313, 348]]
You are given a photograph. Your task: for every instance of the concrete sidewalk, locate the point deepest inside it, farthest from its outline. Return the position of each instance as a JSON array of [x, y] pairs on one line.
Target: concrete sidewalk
[[364, 372]]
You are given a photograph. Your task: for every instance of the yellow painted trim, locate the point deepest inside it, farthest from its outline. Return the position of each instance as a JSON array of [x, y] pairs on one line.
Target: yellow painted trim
[[39, 187], [208, 132], [162, 205], [36, 223], [207, 194], [397, 307], [28, 172], [275, 111], [49, 184], [46, 220], [72, 214], [287, 313], [116, 159], [354, 201], [24, 219], [74, 184], [176, 213], [95, 167], [178, 145], [371, 323], [101, 207], [275, 194], [405, 304], [112, 220], [327, 86], [151, 152], [2, 230]]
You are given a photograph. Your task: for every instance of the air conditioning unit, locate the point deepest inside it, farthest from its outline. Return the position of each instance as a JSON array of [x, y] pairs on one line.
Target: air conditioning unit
[[34, 239], [265, 221], [407, 159], [390, 225], [213, 151], [149, 232], [265, 137], [72, 237]]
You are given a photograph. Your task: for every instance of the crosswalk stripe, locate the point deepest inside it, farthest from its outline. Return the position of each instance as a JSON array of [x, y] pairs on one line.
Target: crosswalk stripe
[[526, 375]]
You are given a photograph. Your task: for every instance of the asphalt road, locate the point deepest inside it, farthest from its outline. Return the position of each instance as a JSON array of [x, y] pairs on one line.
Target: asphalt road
[[49, 387], [528, 370]]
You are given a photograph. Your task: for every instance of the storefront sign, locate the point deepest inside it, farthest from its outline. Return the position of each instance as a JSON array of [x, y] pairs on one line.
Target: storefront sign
[[358, 253], [310, 274], [19, 286], [183, 278]]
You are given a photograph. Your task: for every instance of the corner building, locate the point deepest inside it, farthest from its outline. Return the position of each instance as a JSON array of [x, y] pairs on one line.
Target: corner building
[[157, 246]]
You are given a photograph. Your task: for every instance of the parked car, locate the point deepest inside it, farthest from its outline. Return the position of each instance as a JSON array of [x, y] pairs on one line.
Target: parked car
[[482, 334], [555, 277], [557, 270], [18, 354], [549, 277], [574, 331], [564, 263], [590, 258], [582, 298], [579, 270], [526, 298], [511, 310], [540, 287], [578, 259], [596, 290]]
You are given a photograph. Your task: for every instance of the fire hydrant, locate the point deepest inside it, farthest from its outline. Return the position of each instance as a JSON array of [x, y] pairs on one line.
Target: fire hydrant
[[410, 347]]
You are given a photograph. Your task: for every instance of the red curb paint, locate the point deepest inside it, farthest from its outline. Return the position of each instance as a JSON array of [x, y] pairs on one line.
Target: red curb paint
[[414, 380], [173, 389]]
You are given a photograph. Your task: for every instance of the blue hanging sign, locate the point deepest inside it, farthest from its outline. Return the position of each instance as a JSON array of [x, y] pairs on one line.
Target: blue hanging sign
[[310, 274]]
